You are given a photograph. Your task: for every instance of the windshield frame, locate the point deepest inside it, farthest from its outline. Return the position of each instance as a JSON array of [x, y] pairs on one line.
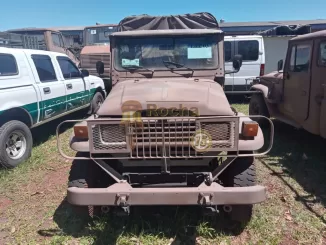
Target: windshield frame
[[216, 52], [87, 34]]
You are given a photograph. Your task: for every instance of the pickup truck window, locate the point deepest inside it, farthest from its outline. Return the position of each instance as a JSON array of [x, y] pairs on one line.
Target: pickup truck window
[[68, 68], [8, 65], [300, 58], [44, 68], [322, 54]]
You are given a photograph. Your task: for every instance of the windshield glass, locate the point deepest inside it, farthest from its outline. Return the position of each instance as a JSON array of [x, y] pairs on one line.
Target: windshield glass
[[154, 52], [99, 35]]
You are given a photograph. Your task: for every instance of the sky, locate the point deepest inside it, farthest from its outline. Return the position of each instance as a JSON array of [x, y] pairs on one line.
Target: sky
[[44, 13]]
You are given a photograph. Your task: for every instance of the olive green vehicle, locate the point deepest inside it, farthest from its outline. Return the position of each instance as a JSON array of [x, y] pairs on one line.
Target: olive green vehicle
[[296, 95], [166, 134]]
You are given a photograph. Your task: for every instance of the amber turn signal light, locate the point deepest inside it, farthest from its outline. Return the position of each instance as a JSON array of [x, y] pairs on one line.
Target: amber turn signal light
[[81, 131], [249, 129]]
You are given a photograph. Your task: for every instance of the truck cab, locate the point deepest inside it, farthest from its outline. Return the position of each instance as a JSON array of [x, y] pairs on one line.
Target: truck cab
[[296, 94], [49, 40], [96, 47], [160, 136]]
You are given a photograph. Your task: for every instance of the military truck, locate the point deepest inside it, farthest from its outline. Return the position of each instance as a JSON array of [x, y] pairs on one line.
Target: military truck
[[296, 94], [96, 47], [48, 39], [166, 134]]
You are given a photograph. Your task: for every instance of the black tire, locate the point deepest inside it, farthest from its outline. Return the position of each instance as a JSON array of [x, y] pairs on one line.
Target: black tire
[[257, 107], [96, 102], [86, 174], [240, 173], [7, 130]]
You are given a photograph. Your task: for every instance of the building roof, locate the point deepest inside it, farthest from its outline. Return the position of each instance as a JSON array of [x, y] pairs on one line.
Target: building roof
[[273, 23]]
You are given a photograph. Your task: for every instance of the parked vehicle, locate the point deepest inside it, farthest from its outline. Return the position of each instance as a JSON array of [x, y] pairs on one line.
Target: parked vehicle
[[96, 47], [252, 50], [167, 122], [36, 87], [297, 94], [48, 39]]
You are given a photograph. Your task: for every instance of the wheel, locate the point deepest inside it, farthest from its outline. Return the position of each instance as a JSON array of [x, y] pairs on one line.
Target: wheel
[[16, 143], [240, 173], [97, 101], [86, 174], [257, 107]]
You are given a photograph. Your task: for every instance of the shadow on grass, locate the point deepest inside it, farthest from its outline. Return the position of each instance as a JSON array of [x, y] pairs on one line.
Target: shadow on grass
[[42, 133], [301, 156], [182, 224]]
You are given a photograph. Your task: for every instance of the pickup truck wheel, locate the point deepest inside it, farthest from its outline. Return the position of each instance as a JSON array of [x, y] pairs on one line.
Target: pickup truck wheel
[[257, 107], [85, 174], [240, 173], [97, 101], [16, 143]]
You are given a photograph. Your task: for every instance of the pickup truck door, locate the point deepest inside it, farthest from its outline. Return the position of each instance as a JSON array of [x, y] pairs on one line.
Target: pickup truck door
[[297, 80], [52, 91], [77, 90]]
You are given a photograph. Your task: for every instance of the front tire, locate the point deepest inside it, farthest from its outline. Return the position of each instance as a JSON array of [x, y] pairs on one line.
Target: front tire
[[16, 143], [97, 101], [257, 107], [241, 173]]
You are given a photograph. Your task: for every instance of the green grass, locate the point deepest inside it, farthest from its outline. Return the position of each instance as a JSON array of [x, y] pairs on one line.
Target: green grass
[[33, 209]]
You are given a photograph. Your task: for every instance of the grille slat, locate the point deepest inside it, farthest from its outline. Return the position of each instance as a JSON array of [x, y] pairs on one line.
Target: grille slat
[[161, 138]]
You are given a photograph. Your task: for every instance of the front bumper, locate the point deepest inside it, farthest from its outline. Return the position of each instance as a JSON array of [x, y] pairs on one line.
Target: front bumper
[[123, 194]]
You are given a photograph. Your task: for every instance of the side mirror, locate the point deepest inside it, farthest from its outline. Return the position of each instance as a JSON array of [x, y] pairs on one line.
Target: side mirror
[[85, 73], [100, 67], [237, 62], [279, 65]]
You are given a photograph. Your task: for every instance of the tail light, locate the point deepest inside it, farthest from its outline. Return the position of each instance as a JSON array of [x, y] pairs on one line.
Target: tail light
[[262, 70]]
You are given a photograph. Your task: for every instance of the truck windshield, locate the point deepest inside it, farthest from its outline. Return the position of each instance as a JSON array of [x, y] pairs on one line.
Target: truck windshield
[[154, 52], [99, 35]]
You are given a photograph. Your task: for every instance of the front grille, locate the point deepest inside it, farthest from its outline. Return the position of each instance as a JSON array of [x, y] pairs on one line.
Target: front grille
[[88, 61], [109, 137], [163, 138]]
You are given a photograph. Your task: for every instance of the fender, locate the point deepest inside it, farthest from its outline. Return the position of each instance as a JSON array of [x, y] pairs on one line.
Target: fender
[[260, 87]]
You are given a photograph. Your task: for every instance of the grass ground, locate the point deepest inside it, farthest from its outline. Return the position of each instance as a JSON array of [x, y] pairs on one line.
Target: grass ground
[[33, 209]]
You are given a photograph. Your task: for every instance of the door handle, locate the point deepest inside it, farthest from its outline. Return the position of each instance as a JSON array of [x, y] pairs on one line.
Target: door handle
[[69, 86], [47, 90]]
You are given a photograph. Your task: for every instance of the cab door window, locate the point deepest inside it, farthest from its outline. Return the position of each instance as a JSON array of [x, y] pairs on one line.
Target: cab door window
[[68, 68], [322, 54], [57, 40], [44, 68], [300, 58]]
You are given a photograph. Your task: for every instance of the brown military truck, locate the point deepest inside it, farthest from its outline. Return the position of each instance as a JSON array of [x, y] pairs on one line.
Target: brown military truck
[[96, 47], [296, 95], [166, 134], [48, 39]]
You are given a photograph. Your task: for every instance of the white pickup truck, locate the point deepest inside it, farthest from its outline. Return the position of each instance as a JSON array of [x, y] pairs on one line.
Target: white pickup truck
[[36, 87]]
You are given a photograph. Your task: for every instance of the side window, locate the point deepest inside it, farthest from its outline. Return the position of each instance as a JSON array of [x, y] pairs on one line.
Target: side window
[[300, 58], [249, 50], [322, 54], [68, 68], [44, 68], [8, 65], [227, 51], [57, 40]]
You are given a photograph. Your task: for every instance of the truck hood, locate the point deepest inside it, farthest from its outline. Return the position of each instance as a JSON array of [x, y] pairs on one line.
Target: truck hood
[[203, 96], [96, 49]]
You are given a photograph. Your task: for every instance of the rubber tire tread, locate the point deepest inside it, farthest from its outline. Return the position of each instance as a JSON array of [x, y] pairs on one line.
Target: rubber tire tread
[[5, 129], [94, 104]]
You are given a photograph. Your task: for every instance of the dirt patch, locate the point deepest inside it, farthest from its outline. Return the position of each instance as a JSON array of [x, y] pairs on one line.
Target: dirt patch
[[4, 203]]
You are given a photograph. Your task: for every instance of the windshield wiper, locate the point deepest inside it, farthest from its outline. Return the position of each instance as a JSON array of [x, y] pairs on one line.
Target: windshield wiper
[[135, 67], [177, 65]]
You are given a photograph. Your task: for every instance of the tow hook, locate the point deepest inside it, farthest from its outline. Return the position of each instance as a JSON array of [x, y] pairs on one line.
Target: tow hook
[[210, 211]]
